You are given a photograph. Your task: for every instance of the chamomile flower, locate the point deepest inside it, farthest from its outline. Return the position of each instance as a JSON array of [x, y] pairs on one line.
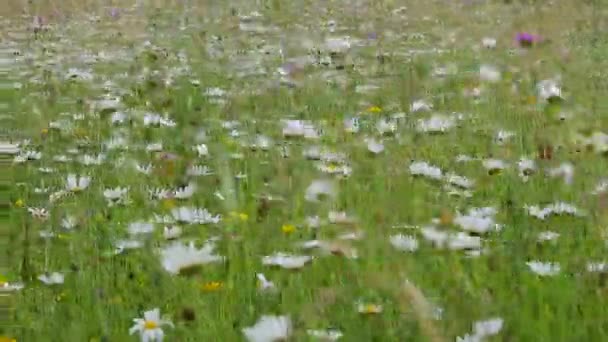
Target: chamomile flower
[[426, 170], [185, 192], [192, 215], [199, 170], [325, 335], [374, 146], [150, 326], [285, 260], [435, 124], [77, 183], [544, 268], [269, 329], [201, 150], [54, 278], [488, 42], [420, 106], [115, 196], [320, 188], [494, 165], [140, 227], [565, 170], [177, 256], [405, 243], [264, 284], [489, 73]]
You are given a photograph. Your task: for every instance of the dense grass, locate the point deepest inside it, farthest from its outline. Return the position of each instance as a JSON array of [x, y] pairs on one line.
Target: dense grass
[[431, 293]]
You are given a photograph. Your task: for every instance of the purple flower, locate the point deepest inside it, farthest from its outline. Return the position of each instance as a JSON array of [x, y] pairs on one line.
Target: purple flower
[[525, 39], [114, 12]]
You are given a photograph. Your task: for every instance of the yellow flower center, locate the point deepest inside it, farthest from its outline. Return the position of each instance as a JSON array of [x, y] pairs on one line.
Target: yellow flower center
[[168, 203], [149, 325], [77, 189], [288, 228], [212, 286], [371, 309]]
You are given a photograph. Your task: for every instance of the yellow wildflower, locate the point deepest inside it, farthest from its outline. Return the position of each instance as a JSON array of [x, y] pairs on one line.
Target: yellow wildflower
[[241, 216], [44, 131], [19, 203], [374, 109], [288, 228], [212, 286]]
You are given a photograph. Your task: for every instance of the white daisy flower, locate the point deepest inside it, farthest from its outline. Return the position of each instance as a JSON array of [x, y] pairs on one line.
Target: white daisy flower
[[185, 192], [199, 170], [544, 268], [54, 278], [269, 329], [285, 260], [548, 89], [493, 165], [172, 232], [459, 181], [146, 169], [405, 243], [264, 284], [39, 213], [386, 127], [478, 220], [597, 267], [426, 170], [192, 215], [488, 327], [526, 168], [9, 148], [601, 187], [299, 128], [420, 106], [435, 124], [547, 236], [320, 188], [488, 42], [374, 146], [123, 245], [154, 147], [201, 150], [489, 73], [177, 256], [88, 160], [558, 208], [140, 227], [351, 125], [77, 184], [10, 287], [69, 222], [117, 195], [325, 335], [503, 136], [565, 170], [150, 327]]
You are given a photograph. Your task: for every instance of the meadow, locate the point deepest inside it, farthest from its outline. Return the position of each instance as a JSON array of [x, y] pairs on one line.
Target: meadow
[[305, 171]]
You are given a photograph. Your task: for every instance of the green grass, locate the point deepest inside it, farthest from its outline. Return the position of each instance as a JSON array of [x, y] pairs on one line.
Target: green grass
[[103, 292]]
